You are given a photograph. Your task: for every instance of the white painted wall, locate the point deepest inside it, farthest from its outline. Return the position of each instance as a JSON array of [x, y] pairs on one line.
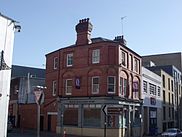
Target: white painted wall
[[6, 44], [155, 79]]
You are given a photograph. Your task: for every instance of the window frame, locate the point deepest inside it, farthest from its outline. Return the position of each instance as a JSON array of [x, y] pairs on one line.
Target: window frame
[[123, 58], [69, 56], [95, 84], [113, 84], [152, 86], [66, 87], [55, 63], [145, 87], [95, 56], [54, 87]]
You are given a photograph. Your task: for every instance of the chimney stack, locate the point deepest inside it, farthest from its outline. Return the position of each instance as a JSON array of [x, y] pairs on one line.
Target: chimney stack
[[120, 39], [83, 29]]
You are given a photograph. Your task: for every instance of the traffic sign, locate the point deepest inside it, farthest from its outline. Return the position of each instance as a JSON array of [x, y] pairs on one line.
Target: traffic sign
[[38, 94], [104, 109]]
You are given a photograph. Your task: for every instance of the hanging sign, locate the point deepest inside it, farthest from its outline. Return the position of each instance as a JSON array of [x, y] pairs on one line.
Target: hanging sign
[[77, 82]]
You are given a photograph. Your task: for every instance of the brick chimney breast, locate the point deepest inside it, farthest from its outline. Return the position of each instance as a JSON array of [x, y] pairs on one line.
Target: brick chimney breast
[[83, 29]]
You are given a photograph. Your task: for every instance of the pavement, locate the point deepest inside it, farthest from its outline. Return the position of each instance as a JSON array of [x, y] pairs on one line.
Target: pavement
[[33, 133]]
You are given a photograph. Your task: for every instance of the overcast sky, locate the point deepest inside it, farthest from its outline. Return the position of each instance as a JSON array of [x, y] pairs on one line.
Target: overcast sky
[[150, 26]]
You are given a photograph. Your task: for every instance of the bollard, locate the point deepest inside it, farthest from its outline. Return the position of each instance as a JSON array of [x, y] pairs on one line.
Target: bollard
[[64, 133]]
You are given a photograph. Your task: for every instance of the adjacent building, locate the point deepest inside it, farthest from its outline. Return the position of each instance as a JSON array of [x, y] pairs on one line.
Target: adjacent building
[[8, 27], [22, 99], [176, 87], [174, 59], [170, 63], [168, 105], [152, 102], [94, 87]]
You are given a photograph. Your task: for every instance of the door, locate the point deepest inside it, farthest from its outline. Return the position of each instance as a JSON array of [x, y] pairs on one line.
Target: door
[[49, 123], [41, 123]]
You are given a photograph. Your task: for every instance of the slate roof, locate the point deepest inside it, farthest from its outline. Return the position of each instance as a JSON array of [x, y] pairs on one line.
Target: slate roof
[[22, 71]]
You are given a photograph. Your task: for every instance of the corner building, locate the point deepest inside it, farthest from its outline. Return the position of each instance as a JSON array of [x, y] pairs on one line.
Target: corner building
[[97, 83]]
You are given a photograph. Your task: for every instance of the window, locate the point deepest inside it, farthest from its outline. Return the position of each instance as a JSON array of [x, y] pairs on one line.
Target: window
[[69, 84], [95, 85], [169, 98], [135, 89], [145, 86], [172, 113], [169, 112], [69, 59], [136, 65], [131, 62], [172, 99], [55, 63], [123, 58], [123, 86], [71, 117], [152, 89], [163, 80], [169, 83], [54, 88], [164, 113], [172, 85], [111, 84], [164, 97], [92, 117], [96, 56], [159, 91]]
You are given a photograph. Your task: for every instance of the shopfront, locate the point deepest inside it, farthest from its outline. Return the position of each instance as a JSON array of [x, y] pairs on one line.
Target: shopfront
[[86, 117]]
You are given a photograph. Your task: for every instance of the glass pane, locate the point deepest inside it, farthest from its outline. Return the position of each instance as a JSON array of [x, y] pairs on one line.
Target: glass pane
[[111, 80], [69, 82], [95, 80], [111, 88], [92, 117], [95, 88]]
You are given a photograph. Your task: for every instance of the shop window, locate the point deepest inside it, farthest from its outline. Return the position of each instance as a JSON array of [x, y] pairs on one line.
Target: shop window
[[92, 117], [71, 117]]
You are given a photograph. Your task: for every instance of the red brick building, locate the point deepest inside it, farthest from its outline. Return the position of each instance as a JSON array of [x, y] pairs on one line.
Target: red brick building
[[92, 77]]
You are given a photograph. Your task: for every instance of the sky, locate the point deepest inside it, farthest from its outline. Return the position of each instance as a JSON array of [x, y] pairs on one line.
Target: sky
[[149, 26]]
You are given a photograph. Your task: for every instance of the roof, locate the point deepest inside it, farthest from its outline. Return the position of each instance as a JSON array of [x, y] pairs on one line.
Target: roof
[[8, 17], [97, 40], [22, 71], [178, 53]]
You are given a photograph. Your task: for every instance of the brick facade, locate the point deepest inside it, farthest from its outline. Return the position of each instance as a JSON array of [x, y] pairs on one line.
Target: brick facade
[[89, 75]]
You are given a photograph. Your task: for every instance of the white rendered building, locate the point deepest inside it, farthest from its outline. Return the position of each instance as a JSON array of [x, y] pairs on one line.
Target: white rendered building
[[152, 102], [7, 28]]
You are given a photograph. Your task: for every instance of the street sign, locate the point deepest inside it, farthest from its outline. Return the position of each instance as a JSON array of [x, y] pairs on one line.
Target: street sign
[[38, 93], [104, 109]]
